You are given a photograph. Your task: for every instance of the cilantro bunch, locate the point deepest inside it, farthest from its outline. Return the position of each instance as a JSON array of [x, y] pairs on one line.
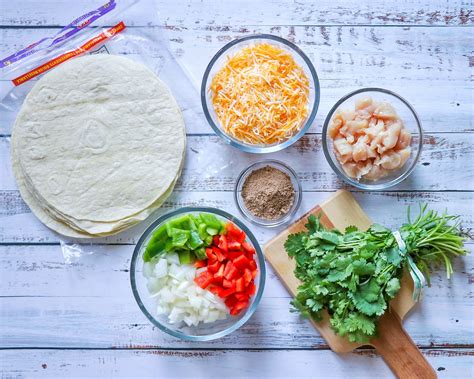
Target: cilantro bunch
[[355, 274]]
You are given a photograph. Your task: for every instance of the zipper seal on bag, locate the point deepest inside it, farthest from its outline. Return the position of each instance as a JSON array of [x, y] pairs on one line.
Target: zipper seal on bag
[[69, 30]]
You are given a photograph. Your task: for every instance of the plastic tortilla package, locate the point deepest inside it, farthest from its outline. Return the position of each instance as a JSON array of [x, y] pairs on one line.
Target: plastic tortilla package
[[115, 120], [110, 29]]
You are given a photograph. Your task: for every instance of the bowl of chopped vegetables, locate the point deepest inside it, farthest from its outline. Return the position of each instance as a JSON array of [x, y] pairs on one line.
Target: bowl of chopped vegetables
[[197, 273], [260, 93]]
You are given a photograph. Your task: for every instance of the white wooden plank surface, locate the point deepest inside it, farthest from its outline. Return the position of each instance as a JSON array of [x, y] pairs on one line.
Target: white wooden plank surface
[[53, 313], [449, 363], [249, 12]]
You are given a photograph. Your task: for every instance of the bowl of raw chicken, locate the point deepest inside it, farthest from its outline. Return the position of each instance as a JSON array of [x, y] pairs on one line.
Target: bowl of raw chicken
[[372, 138]]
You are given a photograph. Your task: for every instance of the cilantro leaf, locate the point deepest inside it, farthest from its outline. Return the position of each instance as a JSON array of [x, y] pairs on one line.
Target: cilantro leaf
[[314, 305], [369, 308], [351, 229], [294, 244], [379, 229], [393, 286], [367, 299], [367, 250], [361, 267], [393, 256], [329, 237], [369, 291], [313, 224], [359, 322], [336, 275]]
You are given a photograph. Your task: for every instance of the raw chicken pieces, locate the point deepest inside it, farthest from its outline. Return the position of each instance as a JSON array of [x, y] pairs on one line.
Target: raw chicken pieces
[[370, 141]]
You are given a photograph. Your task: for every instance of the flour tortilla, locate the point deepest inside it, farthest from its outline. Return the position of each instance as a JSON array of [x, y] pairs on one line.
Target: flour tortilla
[[37, 209], [44, 216], [98, 145], [100, 138], [62, 227], [89, 228]]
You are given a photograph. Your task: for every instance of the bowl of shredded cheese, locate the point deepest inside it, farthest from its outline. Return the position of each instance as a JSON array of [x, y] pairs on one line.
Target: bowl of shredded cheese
[[260, 93]]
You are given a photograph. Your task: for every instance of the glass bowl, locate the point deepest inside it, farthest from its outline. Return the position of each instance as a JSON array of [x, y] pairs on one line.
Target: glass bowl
[[201, 332], [410, 120], [250, 216], [218, 61]]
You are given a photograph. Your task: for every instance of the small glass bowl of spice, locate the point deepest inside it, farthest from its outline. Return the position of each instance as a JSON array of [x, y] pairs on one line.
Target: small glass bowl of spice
[[268, 193]]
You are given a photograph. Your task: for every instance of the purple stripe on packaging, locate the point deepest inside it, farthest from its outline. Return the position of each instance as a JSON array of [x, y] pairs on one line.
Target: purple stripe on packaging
[[71, 29]]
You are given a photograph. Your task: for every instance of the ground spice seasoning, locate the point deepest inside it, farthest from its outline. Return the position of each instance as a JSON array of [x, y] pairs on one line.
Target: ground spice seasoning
[[268, 193]]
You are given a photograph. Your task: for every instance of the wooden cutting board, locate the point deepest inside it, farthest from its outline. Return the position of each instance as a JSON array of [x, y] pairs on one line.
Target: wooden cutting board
[[393, 343]]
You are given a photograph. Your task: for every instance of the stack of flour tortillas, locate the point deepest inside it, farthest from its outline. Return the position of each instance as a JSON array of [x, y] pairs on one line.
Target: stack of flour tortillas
[[97, 146]]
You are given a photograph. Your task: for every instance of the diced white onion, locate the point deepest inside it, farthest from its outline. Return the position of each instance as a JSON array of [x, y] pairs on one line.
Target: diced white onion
[[161, 268], [178, 296], [148, 269]]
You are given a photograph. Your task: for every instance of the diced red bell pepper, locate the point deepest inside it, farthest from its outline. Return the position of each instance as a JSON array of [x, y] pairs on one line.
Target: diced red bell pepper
[[210, 255], [218, 253], [254, 274], [232, 255], [228, 266], [238, 307], [227, 283], [230, 271], [251, 289], [232, 229], [230, 301], [252, 265], [200, 264], [223, 243], [216, 290], [247, 277], [248, 247], [241, 296], [233, 245], [226, 292], [219, 275], [240, 285], [213, 267], [204, 279], [241, 237], [241, 262], [234, 232], [215, 240]]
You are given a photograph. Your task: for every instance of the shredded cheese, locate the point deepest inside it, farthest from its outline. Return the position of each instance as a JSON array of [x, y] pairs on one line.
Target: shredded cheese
[[261, 95]]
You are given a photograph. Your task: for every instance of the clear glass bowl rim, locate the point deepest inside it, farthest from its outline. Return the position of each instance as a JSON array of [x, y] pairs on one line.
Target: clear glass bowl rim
[[250, 311], [338, 171], [260, 149], [298, 189]]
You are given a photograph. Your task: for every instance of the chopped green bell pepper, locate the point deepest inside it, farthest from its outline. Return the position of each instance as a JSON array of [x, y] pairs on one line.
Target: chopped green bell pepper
[[179, 237], [188, 235], [210, 220], [195, 240], [202, 231], [184, 257], [208, 240], [212, 231], [200, 253]]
